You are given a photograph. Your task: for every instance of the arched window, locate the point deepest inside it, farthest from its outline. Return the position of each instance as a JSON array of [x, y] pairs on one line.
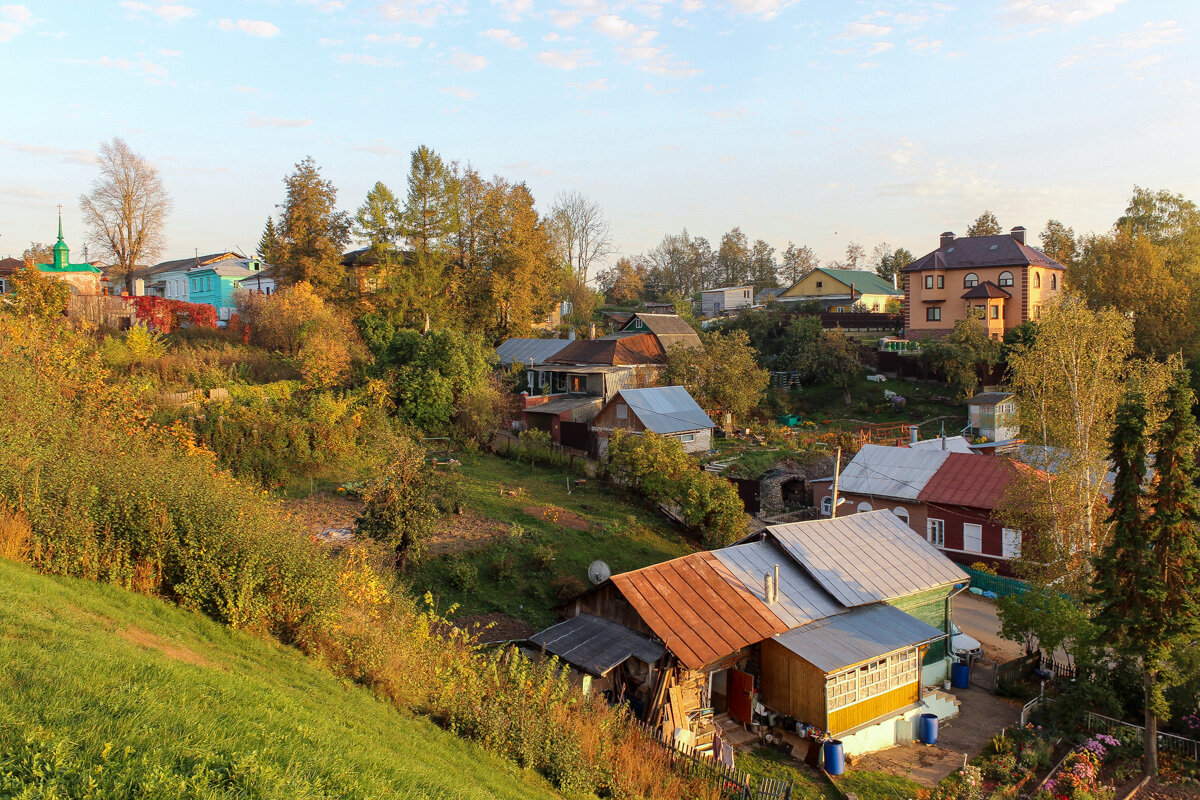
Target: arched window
[[826, 506], [901, 512], [864, 506], [1053, 281], [1006, 279], [971, 280], [1037, 280]]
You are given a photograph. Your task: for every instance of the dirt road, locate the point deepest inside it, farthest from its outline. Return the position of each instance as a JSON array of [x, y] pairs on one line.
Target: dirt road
[[977, 617]]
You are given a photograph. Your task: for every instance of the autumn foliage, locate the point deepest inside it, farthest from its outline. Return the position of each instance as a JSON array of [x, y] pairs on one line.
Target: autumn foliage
[[164, 316]]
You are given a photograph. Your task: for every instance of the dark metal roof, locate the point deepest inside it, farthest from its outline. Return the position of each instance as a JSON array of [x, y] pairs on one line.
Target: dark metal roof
[[669, 328], [698, 608], [990, 398], [970, 252], [985, 289], [521, 350], [565, 404], [867, 557], [666, 409], [857, 635], [596, 645], [184, 264]]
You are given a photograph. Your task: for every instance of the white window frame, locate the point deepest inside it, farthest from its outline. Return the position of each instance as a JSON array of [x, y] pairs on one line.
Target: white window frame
[[1011, 543], [863, 507], [935, 532], [970, 280], [826, 506], [902, 513], [975, 527], [687, 438], [1005, 281]]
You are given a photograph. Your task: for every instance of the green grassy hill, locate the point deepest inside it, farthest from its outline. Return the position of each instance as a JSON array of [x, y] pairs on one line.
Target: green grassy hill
[[107, 694]]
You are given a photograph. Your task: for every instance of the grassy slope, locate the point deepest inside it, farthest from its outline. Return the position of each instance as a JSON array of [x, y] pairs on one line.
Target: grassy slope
[[625, 535], [147, 700]]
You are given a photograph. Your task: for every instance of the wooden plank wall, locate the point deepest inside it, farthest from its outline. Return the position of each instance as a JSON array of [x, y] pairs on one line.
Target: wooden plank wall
[[846, 718], [792, 685], [607, 603]]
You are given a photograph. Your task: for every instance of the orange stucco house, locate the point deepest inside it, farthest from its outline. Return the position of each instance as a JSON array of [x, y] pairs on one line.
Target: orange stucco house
[[998, 279]]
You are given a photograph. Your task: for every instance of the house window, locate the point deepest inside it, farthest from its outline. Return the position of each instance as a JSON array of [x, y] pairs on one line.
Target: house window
[[935, 532], [928, 281], [637, 323], [746, 293], [1006, 279], [901, 512], [826, 506], [1053, 281], [622, 411], [1037, 280], [687, 438], [972, 537], [995, 312], [1011, 540], [871, 679], [971, 280], [933, 314], [818, 284], [3, 286], [864, 506], [941, 281]]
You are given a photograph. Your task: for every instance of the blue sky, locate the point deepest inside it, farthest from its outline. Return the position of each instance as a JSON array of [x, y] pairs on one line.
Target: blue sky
[[815, 122]]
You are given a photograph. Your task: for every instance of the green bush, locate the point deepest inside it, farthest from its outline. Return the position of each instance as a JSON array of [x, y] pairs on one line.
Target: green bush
[[462, 574], [542, 556]]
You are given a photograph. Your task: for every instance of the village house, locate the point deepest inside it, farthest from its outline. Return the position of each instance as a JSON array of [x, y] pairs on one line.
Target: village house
[[528, 351], [839, 290], [837, 626], [714, 302], [999, 280], [215, 283], [993, 416], [881, 477], [169, 279], [666, 410], [261, 281]]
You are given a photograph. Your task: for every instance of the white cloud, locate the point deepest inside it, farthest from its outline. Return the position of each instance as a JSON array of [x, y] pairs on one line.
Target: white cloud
[[505, 37], [513, 10], [598, 85], [379, 148], [691, 5], [14, 20], [730, 113], [879, 47], [166, 11], [395, 38], [70, 156], [763, 9], [170, 53], [467, 62], [566, 19], [327, 6], [277, 122], [550, 37], [616, 27], [459, 92], [925, 45], [245, 89], [421, 12], [862, 30], [25, 193], [1055, 12], [368, 60], [656, 61], [140, 65], [1151, 36], [253, 27], [566, 60]]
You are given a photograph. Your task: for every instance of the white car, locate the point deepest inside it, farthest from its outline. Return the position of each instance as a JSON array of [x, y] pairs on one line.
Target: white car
[[963, 646]]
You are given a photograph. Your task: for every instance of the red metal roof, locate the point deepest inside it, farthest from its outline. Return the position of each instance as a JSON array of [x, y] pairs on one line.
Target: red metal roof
[[698, 608], [966, 479], [639, 348]]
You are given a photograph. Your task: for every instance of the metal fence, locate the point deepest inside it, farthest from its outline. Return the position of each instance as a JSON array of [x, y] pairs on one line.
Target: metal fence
[[1001, 586], [1180, 745], [734, 783]]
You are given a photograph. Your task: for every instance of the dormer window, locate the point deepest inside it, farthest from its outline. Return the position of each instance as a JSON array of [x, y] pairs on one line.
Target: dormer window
[[993, 247], [970, 280], [950, 249], [1006, 279]]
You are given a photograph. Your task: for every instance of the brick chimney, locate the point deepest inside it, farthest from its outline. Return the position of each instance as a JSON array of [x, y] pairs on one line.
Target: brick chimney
[[1018, 233], [947, 238]]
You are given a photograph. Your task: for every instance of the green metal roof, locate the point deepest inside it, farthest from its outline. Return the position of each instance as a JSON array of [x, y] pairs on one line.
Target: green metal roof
[[865, 282]]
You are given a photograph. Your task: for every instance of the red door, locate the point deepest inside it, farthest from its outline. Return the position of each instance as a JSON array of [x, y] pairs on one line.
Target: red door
[[741, 687]]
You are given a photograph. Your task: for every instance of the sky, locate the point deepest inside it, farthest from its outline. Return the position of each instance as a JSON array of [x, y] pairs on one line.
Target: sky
[[819, 122]]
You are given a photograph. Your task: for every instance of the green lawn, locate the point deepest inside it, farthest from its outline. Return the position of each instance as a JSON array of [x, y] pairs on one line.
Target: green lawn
[[766, 762], [924, 401], [510, 579], [878, 785], [107, 694]]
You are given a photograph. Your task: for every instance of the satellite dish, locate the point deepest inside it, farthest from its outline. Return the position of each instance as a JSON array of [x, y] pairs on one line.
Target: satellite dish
[[599, 572]]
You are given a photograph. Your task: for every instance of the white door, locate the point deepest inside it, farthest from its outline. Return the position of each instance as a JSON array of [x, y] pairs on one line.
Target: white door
[[972, 537]]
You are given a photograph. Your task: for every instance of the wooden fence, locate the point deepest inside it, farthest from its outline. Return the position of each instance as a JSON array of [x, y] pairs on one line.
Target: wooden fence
[[1170, 742], [1000, 585], [734, 783], [1025, 666]]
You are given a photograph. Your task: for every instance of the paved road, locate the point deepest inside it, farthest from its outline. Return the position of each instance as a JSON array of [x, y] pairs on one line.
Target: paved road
[[977, 617]]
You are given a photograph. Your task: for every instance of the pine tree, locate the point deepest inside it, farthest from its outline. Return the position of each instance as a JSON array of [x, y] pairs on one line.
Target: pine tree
[[312, 232], [985, 224], [268, 245]]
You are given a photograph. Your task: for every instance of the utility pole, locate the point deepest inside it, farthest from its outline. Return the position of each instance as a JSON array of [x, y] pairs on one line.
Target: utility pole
[[837, 469]]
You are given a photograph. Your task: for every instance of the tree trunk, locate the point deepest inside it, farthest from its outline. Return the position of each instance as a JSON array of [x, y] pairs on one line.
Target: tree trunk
[[1151, 756], [401, 558]]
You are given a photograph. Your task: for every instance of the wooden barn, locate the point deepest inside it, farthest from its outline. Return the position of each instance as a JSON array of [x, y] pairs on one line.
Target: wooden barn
[[834, 625], [665, 410]]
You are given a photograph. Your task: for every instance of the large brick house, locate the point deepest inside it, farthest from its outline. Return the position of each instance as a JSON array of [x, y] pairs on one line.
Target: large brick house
[[1000, 280]]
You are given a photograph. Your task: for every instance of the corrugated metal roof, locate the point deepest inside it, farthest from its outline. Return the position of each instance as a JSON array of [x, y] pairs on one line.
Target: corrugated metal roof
[[864, 282], [596, 645], [564, 404], [857, 635], [643, 348], [521, 350], [669, 328], [975, 481], [951, 444], [698, 608], [990, 398], [666, 409], [801, 599], [899, 472], [868, 557]]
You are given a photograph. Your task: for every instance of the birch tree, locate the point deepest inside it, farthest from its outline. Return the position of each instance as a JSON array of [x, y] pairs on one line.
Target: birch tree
[[127, 209], [581, 233]]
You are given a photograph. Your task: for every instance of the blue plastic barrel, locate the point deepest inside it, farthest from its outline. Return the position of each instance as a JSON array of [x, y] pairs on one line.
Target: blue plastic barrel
[[835, 759], [960, 675], [929, 728]]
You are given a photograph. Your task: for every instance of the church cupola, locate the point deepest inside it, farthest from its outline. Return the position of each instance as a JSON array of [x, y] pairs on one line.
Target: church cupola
[[62, 253]]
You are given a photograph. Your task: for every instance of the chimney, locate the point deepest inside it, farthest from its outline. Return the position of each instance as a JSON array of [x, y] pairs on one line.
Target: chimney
[[912, 434], [943, 441], [768, 589], [947, 238], [1018, 233], [591, 330], [775, 586], [571, 335]]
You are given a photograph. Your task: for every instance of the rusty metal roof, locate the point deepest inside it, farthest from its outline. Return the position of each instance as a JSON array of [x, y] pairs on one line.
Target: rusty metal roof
[[697, 607], [640, 348], [975, 481]]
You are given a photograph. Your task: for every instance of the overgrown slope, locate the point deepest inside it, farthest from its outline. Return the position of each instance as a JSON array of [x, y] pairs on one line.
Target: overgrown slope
[[104, 693]]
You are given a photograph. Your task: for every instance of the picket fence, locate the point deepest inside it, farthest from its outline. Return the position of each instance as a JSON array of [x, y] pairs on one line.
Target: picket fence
[[1166, 741], [734, 783]]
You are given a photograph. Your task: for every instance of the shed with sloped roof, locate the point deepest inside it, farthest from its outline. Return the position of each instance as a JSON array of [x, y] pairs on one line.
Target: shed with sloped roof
[[664, 410]]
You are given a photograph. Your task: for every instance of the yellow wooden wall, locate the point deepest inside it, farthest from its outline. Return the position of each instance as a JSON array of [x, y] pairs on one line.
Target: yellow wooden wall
[[846, 718], [807, 286], [792, 685]]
